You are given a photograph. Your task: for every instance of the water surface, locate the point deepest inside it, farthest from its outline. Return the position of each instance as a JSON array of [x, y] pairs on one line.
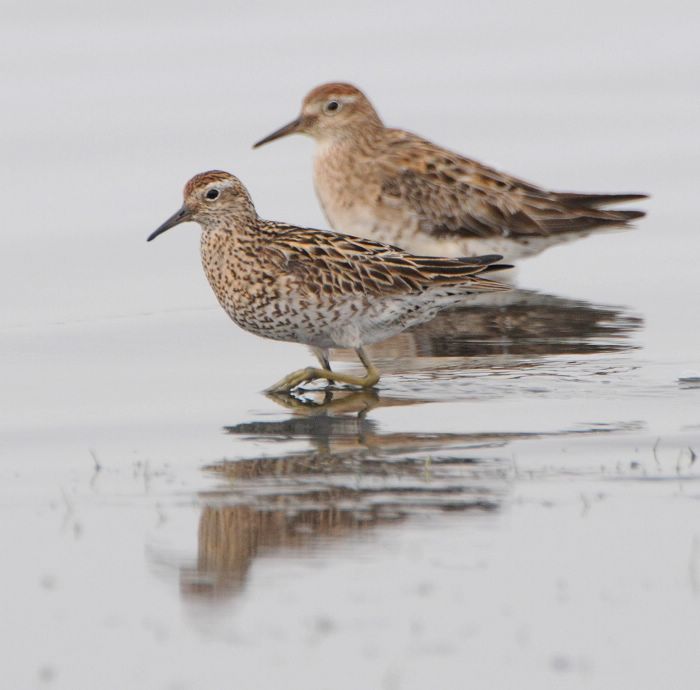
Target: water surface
[[516, 505]]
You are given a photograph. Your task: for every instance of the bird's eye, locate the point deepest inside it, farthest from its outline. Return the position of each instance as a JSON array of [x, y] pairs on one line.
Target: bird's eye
[[212, 194], [332, 106]]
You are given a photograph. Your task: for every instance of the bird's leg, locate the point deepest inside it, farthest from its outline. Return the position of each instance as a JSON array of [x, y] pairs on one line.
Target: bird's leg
[[296, 378], [373, 374], [322, 357]]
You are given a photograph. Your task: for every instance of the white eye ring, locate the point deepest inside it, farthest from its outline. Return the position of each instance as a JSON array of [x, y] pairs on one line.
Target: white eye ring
[[212, 194], [332, 107]]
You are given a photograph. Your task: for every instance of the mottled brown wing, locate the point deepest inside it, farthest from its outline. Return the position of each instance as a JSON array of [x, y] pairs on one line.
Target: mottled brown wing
[[335, 264], [453, 195]]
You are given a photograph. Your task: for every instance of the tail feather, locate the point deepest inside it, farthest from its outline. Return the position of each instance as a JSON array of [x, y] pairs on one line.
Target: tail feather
[[595, 200], [488, 261], [484, 260], [479, 284], [497, 267], [628, 215], [596, 219], [462, 273]]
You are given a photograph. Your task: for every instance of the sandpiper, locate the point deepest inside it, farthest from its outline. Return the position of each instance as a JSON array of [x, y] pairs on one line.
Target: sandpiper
[[315, 287], [395, 187]]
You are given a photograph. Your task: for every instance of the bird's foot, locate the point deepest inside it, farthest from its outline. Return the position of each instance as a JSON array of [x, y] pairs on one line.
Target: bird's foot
[[297, 378]]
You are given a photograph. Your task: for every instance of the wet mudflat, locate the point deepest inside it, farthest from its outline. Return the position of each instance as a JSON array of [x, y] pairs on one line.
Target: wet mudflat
[[515, 506]]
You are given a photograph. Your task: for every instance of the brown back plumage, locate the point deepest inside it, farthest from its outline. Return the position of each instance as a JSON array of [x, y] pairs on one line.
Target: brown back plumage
[[342, 264], [454, 195]]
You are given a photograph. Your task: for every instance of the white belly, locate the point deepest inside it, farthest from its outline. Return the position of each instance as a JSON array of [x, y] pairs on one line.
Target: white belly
[[403, 231], [422, 243]]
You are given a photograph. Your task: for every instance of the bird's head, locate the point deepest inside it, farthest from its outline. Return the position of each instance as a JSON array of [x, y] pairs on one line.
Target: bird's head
[[330, 112], [212, 199]]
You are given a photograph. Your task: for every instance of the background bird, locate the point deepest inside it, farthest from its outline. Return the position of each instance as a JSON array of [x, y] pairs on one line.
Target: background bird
[[313, 287], [396, 187]]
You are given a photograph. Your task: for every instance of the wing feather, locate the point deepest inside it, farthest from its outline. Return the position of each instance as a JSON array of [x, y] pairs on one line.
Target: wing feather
[[327, 263], [452, 195]]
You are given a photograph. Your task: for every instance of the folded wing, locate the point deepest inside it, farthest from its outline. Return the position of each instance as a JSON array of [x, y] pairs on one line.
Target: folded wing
[[455, 196]]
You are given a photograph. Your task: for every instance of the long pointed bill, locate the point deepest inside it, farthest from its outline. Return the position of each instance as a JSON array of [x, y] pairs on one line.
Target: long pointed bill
[[281, 132], [180, 216]]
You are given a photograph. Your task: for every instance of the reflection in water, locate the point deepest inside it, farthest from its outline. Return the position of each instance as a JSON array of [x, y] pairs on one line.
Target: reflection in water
[[485, 350], [518, 323], [348, 476]]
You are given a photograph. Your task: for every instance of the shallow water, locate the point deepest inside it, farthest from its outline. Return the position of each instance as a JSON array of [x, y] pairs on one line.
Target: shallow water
[[517, 503]]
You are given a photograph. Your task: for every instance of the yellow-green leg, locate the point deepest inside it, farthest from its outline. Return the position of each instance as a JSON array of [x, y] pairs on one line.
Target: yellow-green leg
[[322, 357], [296, 378]]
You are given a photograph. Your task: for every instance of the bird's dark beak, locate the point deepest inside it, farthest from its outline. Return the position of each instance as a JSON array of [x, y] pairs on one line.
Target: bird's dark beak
[[181, 216], [291, 128]]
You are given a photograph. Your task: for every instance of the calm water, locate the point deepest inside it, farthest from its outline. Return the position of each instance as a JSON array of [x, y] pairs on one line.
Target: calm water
[[518, 502]]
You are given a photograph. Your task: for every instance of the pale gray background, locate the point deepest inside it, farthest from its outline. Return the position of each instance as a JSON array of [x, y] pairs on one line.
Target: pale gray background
[[109, 343]]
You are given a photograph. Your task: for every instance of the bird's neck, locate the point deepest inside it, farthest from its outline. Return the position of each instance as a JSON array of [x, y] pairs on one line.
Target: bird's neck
[[223, 237], [361, 138], [228, 253]]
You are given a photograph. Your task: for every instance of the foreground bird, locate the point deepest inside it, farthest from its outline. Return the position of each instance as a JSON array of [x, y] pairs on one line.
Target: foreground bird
[[395, 187], [313, 287]]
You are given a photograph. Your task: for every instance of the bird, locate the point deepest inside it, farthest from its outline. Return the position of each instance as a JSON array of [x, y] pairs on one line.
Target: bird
[[397, 187], [315, 287]]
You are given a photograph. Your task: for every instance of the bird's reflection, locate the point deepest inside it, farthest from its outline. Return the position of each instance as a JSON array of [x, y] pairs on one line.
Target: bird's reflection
[[327, 471], [519, 323], [461, 353], [348, 478]]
